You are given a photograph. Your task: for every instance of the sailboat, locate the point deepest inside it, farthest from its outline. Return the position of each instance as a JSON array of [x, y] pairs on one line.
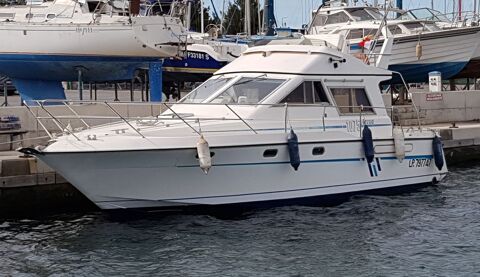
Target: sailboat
[[51, 42]]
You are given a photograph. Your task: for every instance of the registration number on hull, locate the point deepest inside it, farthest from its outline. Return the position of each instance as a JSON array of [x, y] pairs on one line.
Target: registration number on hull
[[419, 162]]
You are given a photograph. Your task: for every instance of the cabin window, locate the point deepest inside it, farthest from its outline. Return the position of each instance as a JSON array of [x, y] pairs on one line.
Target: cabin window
[[248, 91], [360, 15], [395, 30], [296, 96], [206, 89], [50, 16], [319, 93], [375, 14], [355, 34], [340, 17], [319, 20], [308, 92], [349, 100], [414, 26], [360, 33], [29, 15]]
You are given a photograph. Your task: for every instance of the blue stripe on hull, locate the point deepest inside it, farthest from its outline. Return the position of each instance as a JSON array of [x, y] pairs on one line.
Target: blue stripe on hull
[[417, 73]]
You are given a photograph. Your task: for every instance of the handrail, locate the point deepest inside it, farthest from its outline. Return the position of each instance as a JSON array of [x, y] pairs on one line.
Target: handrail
[[413, 103], [76, 114], [250, 127], [39, 121], [187, 120], [181, 118], [124, 120], [56, 121]]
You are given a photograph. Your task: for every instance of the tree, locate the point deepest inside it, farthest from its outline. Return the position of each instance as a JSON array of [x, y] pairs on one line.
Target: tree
[[195, 24], [233, 22]]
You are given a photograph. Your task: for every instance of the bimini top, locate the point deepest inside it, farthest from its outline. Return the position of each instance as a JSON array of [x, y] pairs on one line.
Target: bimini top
[[301, 60]]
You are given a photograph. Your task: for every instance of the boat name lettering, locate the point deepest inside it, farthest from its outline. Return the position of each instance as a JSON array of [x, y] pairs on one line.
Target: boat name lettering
[[420, 163], [353, 126], [84, 30], [198, 56]]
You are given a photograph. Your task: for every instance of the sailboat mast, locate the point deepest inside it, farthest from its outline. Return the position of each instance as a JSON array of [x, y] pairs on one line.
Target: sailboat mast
[[460, 9], [202, 19], [248, 29]]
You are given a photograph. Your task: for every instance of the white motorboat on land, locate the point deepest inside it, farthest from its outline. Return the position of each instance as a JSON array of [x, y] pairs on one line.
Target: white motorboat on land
[[440, 20], [280, 123], [417, 47]]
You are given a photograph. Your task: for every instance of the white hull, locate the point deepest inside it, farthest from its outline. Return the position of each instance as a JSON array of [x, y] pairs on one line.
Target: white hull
[[449, 46], [166, 178], [145, 37]]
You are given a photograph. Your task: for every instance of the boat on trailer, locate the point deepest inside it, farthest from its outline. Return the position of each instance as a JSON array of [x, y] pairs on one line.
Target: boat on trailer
[[280, 123]]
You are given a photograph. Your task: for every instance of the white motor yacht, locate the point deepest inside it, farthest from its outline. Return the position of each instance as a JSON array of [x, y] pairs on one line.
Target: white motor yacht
[[280, 123]]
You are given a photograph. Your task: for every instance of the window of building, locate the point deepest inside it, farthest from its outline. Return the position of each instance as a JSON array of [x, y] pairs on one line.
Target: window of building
[[349, 100], [308, 92]]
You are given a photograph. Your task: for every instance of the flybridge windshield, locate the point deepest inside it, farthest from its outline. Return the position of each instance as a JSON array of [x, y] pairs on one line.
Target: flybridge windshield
[[424, 14], [365, 14], [206, 89], [248, 91]]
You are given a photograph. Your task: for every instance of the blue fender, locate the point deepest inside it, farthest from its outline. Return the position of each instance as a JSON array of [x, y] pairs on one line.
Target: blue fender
[[368, 144]]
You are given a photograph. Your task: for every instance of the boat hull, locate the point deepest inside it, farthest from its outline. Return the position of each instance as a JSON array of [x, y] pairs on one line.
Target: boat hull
[[239, 175], [447, 52], [111, 51], [65, 67]]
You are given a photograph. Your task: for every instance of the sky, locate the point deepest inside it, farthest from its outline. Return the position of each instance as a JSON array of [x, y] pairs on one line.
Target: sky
[[294, 13]]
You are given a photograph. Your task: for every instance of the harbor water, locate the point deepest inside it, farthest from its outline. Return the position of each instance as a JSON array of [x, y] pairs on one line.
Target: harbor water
[[434, 231]]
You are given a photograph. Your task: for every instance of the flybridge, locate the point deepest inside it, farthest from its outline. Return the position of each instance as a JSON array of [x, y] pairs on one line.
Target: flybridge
[[309, 60]]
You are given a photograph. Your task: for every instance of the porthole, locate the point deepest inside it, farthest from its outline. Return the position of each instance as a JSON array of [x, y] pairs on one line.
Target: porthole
[[270, 153], [317, 151]]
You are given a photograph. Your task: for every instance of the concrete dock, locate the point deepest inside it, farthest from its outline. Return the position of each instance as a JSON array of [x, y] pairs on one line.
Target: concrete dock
[[29, 187]]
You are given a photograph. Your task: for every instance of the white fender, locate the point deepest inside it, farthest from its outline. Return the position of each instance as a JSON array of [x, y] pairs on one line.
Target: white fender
[[419, 51], [204, 158], [399, 141]]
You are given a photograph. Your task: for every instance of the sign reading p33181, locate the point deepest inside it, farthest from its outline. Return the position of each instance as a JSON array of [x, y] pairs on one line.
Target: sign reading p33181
[[419, 162]]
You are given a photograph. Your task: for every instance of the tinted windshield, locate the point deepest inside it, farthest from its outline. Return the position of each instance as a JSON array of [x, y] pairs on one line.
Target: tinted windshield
[[248, 91], [206, 89]]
